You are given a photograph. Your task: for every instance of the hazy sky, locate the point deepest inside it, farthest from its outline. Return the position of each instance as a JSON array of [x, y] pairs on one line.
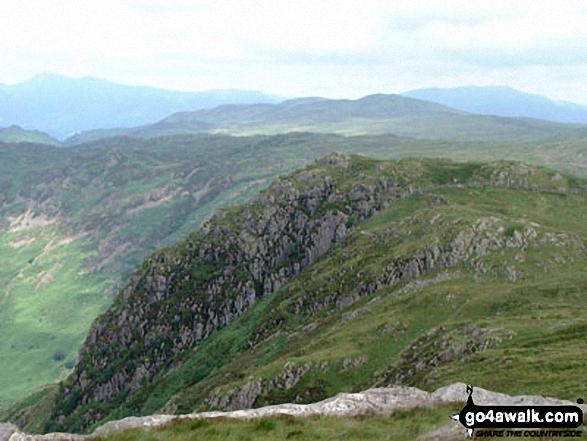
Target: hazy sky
[[300, 48]]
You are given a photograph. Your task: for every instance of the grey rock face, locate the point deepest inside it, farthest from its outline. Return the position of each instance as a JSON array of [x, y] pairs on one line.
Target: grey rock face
[[245, 396], [454, 431], [49, 437], [181, 296], [379, 401], [6, 430], [185, 293]]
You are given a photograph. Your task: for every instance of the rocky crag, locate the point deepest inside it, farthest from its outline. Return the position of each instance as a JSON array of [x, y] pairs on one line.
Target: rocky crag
[[379, 401], [183, 294], [270, 250]]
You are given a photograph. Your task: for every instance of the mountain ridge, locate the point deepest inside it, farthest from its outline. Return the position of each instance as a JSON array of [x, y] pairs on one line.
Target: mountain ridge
[[370, 115], [503, 101], [61, 105]]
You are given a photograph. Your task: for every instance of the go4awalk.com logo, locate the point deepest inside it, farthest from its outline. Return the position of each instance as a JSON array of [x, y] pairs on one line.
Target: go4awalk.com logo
[[520, 420]]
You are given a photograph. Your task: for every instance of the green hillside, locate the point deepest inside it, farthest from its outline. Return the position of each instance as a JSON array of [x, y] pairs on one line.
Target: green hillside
[[74, 223], [16, 134], [417, 272], [371, 115]]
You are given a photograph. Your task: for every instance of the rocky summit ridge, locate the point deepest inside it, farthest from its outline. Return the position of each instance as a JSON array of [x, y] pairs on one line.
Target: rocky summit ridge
[[378, 401]]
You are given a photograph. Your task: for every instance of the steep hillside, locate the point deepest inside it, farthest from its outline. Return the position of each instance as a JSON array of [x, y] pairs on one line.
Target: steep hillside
[[76, 222], [503, 101], [347, 274], [61, 105], [374, 114]]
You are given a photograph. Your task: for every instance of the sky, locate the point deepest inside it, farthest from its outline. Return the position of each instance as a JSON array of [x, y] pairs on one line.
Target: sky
[[336, 49]]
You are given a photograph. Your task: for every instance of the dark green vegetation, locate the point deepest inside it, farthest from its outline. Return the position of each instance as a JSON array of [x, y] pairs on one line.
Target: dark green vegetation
[[401, 426], [62, 106], [349, 274], [374, 114]]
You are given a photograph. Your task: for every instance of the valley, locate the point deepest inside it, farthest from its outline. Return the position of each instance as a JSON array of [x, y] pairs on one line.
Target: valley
[[98, 212], [402, 261], [77, 221]]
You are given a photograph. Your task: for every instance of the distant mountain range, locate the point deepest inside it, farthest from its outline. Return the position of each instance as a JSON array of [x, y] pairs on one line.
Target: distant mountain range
[[86, 109], [62, 106], [503, 101], [373, 115]]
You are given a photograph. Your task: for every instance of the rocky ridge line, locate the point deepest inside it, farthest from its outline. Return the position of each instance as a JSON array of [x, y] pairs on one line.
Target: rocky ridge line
[[378, 401], [185, 293], [170, 305]]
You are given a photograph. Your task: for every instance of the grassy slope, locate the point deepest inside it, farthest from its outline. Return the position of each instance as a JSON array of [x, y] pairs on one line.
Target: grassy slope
[[545, 309], [447, 127], [40, 333], [40, 347], [539, 315], [402, 426], [15, 134]]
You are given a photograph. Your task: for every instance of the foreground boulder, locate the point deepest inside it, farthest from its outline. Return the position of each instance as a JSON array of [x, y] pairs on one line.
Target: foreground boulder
[[379, 401]]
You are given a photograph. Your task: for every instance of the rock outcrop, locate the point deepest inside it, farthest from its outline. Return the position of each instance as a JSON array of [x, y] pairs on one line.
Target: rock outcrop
[[185, 293], [379, 401], [6, 431]]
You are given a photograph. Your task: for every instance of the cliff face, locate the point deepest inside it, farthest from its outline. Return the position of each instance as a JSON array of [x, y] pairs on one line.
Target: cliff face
[[465, 244], [185, 294]]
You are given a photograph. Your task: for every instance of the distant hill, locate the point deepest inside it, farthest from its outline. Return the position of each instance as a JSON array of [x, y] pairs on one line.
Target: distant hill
[[61, 105], [311, 114], [16, 134], [370, 115], [503, 101]]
